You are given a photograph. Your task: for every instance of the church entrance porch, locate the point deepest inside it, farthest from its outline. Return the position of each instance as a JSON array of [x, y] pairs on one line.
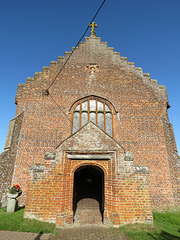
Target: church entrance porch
[[88, 195], [89, 179]]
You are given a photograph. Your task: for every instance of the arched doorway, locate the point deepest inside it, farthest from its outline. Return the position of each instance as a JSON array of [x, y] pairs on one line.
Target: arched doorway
[[89, 189]]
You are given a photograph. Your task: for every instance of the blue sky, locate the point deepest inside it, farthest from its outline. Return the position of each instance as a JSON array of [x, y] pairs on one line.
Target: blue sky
[[33, 33]]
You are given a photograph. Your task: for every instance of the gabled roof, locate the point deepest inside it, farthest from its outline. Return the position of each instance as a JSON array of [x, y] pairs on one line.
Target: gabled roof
[[91, 136]]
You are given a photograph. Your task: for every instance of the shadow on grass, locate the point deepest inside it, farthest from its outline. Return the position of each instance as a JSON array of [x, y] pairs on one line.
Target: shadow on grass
[[164, 236], [39, 236]]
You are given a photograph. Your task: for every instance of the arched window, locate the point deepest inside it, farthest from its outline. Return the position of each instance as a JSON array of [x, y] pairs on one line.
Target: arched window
[[94, 110]]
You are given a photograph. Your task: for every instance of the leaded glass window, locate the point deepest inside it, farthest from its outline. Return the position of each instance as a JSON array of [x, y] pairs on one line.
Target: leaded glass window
[[93, 110]]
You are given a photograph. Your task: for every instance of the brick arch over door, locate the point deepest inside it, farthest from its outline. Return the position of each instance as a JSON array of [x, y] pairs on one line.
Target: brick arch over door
[[95, 109], [89, 184]]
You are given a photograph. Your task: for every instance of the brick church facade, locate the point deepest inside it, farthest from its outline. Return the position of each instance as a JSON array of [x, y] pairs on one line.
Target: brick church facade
[[98, 139]]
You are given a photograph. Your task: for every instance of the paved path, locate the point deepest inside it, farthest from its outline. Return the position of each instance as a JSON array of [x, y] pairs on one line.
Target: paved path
[[6, 235], [89, 233], [74, 233]]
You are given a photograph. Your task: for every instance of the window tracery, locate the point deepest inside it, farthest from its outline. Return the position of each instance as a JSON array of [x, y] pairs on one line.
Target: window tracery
[[94, 110]]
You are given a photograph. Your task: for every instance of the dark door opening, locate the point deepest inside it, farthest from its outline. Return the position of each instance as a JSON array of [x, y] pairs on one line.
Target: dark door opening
[[89, 183]]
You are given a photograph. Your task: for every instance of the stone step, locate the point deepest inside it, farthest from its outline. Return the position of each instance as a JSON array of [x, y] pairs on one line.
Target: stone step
[[87, 217], [87, 212]]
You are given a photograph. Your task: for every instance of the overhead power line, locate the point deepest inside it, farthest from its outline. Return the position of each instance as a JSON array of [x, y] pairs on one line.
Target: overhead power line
[[75, 47], [60, 108], [46, 92]]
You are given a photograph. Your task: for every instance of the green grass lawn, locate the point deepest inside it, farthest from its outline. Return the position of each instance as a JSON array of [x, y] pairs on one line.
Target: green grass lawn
[[166, 226], [15, 222]]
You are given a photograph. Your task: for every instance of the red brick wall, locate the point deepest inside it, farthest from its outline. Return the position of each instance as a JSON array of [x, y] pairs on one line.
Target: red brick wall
[[139, 103], [127, 197]]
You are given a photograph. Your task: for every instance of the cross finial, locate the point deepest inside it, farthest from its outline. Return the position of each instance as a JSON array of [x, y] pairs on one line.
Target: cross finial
[[92, 25]]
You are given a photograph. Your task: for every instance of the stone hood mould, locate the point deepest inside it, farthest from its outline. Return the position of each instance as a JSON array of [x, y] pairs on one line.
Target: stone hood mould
[[90, 138]]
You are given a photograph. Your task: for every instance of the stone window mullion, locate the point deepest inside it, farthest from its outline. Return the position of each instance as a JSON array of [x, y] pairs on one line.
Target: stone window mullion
[[93, 110]]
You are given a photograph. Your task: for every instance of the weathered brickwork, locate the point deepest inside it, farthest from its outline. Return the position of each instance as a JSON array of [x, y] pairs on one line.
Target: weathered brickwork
[[139, 164], [127, 197], [173, 158], [7, 158]]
